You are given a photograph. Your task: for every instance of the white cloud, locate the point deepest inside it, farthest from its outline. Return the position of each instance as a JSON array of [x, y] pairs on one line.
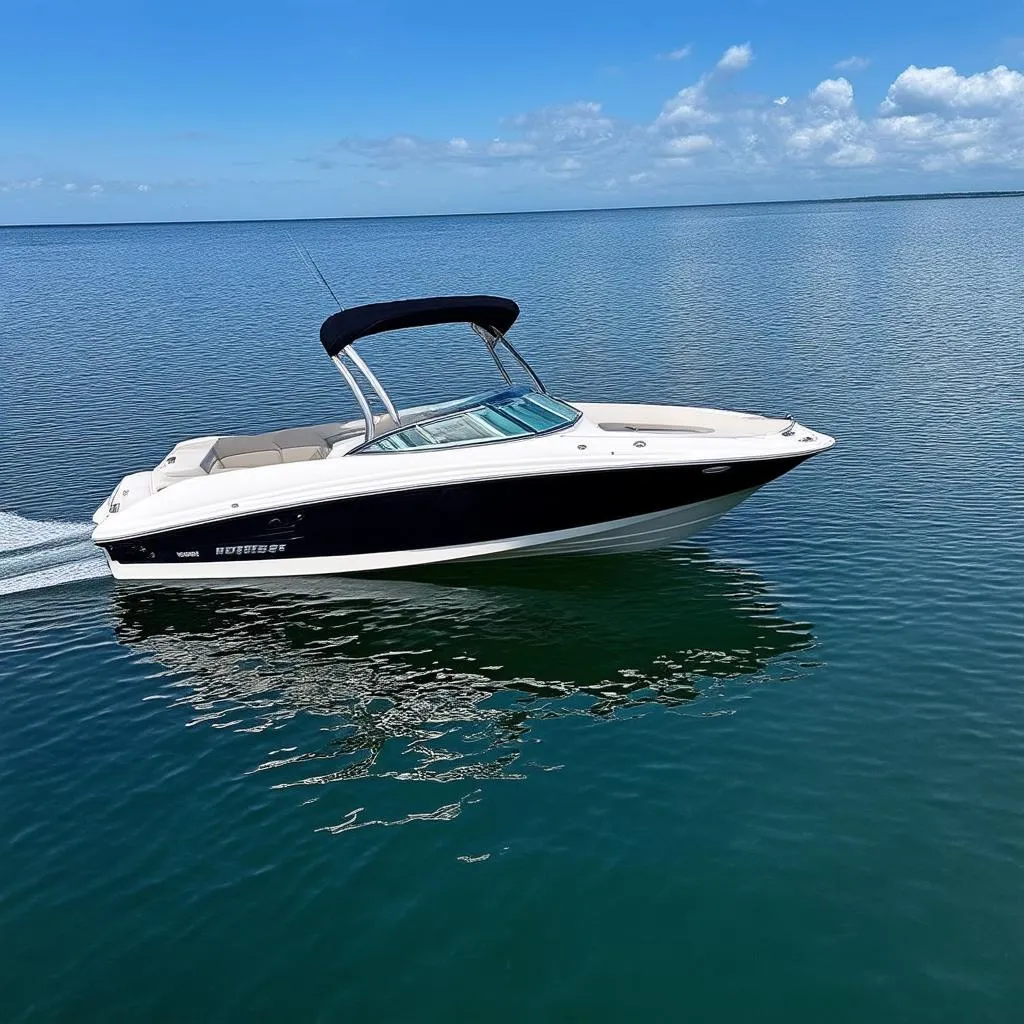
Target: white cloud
[[106, 187], [540, 138], [689, 106], [830, 130], [736, 58], [938, 143], [581, 122], [686, 145], [501, 148], [923, 90], [19, 185], [932, 121], [565, 167], [852, 63], [833, 94], [680, 54]]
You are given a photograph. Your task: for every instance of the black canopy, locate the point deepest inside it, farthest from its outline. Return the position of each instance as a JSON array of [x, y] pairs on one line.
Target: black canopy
[[350, 325]]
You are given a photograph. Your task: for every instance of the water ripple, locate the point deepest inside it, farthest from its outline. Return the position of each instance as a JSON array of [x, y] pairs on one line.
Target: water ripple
[[792, 749], [314, 664]]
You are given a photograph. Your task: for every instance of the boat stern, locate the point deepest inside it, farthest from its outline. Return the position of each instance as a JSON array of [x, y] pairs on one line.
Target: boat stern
[[130, 491]]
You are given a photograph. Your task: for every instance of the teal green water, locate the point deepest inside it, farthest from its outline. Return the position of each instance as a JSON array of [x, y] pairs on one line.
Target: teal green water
[[772, 774]]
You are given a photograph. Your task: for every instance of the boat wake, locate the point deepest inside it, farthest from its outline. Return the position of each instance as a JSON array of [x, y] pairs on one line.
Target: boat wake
[[35, 555]]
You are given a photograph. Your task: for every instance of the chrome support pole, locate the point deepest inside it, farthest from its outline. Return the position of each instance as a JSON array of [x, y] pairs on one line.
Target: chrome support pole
[[357, 391], [522, 362], [490, 341], [374, 383]]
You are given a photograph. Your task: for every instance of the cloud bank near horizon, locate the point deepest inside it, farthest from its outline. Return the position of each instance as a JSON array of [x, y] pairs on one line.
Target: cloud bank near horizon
[[930, 120], [712, 140]]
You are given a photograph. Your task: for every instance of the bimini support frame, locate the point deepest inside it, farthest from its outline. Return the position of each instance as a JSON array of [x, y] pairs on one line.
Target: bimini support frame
[[489, 316], [357, 391], [492, 338]]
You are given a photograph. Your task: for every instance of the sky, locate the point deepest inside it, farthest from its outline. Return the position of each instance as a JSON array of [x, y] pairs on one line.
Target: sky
[[114, 112]]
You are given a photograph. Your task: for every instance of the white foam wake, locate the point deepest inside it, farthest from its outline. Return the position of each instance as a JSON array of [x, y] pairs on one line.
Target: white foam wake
[[36, 554]]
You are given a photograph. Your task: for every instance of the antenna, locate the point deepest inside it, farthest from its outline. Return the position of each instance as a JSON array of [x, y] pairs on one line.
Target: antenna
[[357, 360], [311, 264]]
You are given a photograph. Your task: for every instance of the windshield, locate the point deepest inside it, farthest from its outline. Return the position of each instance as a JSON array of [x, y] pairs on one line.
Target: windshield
[[518, 412]]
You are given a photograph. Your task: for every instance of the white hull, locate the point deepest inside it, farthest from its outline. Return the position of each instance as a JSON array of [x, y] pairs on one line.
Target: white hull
[[637, 533]]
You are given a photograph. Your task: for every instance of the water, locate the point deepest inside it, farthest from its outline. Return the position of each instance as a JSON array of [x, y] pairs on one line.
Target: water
[[774, 773]]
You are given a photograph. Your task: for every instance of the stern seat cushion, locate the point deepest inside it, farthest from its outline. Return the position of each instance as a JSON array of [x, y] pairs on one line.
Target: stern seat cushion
[[297, 444]]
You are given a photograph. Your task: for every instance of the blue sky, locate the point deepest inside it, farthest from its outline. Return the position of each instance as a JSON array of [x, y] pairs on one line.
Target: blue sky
[[124, 112]]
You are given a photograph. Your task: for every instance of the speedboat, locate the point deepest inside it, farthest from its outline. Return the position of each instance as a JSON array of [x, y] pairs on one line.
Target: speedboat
[[512, 472]]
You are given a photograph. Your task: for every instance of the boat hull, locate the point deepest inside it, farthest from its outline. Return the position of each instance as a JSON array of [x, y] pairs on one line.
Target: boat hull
[[594, 512]]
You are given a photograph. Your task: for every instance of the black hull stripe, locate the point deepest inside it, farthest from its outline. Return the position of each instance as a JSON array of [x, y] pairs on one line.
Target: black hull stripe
[[448, 515]]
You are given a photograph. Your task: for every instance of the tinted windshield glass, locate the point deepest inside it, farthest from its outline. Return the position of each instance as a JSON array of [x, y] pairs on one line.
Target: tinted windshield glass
[[528, 411], [514, 413]]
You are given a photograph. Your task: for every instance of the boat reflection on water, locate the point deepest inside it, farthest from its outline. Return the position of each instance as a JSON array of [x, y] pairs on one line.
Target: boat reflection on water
[[440, 677]]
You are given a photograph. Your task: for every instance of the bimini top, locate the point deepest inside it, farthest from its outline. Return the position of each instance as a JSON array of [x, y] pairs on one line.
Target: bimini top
[[487, 311]]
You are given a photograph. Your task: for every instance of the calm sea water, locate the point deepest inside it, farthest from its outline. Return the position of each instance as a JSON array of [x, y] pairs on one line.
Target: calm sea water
[[773, 774]]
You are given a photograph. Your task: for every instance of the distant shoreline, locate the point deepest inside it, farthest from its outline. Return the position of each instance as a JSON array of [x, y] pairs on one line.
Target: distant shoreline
[[900, 198]]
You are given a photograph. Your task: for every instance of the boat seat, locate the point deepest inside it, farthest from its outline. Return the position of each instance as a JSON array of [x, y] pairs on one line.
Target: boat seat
[[248, 451], [299, 444], [241, 452]]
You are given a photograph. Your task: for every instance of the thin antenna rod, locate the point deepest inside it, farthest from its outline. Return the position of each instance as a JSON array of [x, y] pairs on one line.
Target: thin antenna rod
[[311, 264], [351, 353]]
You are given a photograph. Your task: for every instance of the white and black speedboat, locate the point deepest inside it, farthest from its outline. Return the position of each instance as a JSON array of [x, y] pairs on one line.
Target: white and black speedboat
[[509, 473]]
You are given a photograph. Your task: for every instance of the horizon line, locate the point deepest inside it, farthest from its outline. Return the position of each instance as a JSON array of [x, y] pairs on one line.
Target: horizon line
[[886, 198]]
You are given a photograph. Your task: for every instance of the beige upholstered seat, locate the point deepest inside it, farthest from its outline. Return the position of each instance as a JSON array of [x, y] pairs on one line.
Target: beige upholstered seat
[[298, 444], [241, 452], [294, 444]]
